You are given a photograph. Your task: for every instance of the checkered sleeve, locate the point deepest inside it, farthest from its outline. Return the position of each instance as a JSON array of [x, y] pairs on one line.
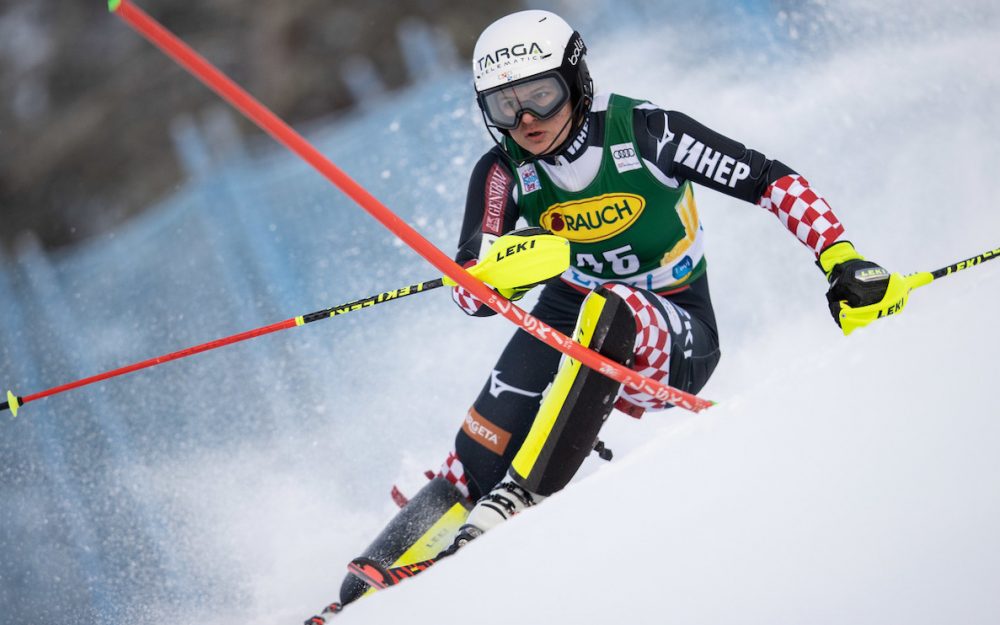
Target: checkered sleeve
[[453, 471], [803, 211], [469, 303], [652, 349]]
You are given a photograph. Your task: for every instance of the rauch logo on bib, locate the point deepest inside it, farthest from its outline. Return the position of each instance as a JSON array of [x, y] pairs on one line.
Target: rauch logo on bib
[[593, 219]]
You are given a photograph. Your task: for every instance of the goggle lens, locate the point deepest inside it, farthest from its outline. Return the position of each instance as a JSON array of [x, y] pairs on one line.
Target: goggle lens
[[542, 97]]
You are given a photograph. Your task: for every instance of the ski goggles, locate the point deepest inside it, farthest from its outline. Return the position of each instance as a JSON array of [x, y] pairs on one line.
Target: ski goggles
[[541, 96]]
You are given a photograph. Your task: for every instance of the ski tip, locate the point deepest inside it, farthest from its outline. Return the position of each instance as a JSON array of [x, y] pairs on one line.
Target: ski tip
[[328, 613], [113, 5], [370, 572]]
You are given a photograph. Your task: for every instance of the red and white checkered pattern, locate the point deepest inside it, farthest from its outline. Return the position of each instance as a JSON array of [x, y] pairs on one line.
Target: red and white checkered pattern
[[652, 350], [453, 471], [469, 303], [802, 211]]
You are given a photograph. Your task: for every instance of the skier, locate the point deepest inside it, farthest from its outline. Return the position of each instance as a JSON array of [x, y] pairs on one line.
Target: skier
[[614, 176]]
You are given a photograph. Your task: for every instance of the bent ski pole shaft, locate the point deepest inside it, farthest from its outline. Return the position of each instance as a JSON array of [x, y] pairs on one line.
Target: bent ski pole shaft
[[14, 402], [242, 101], [926, 277]]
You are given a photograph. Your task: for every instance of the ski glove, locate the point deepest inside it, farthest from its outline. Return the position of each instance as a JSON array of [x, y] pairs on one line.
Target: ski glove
[[860, 291], [473, 306], [537, 265]]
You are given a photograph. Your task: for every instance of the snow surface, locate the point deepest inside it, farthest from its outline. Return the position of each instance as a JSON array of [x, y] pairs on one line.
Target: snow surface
[[840, 480]]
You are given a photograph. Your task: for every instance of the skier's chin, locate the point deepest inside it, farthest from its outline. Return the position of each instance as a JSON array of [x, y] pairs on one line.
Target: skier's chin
[[538, 143]]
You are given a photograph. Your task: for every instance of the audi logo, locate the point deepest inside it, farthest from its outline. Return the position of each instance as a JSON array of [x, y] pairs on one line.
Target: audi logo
[[626, 153]]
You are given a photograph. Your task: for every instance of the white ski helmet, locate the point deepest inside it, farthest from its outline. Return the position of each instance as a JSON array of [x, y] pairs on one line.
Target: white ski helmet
[[529, 45]]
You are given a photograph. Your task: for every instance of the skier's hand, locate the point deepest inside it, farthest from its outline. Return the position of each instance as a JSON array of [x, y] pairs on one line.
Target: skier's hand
[[517, 292], [860, 291], [520, 260], [472, 305]]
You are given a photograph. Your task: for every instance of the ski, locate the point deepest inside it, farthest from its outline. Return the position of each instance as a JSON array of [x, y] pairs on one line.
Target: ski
[[380, 577], [376, 576], [328, 612]]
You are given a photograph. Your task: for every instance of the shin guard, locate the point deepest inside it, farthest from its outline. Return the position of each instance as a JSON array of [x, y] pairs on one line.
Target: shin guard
[[575, 406]]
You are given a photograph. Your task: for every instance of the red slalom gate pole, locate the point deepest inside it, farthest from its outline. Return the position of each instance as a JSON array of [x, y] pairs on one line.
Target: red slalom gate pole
[[273, 125], [14, 402]]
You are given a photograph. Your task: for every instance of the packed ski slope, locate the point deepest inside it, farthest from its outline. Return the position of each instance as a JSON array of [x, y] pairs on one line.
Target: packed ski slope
[[840, 480]]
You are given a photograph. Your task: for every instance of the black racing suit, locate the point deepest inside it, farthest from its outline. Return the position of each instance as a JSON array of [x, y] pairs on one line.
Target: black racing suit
[[665, 140]]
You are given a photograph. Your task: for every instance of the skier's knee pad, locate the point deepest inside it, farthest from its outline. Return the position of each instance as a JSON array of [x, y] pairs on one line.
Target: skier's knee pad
[[421, 530], [578, 401]]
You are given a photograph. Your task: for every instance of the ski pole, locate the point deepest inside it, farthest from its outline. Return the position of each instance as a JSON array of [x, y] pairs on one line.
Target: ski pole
[[850, 319], [514, 260], [14, 402], [924, 278], [241, 100]]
